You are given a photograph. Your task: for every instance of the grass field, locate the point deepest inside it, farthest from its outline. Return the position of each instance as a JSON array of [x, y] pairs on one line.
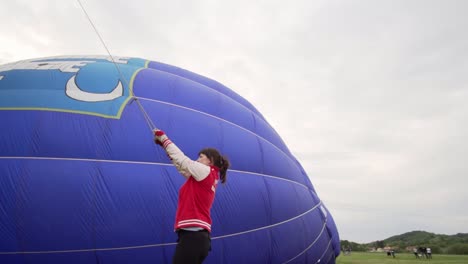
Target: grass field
[[381, 258]]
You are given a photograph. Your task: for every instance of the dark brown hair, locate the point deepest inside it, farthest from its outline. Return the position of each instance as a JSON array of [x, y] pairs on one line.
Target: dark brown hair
[[218, 160]]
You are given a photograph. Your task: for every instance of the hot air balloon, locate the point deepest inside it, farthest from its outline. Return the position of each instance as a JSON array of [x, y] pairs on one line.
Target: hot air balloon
[[81, 180]]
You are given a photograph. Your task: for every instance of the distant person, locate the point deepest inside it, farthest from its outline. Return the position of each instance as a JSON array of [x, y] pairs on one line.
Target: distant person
[[415, 251], [347, 250], [425, 252], [393, 253], [422, 251], [429, 252]]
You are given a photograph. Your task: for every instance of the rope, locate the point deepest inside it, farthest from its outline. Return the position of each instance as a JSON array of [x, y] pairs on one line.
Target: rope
[[145, 114], [152, 127]]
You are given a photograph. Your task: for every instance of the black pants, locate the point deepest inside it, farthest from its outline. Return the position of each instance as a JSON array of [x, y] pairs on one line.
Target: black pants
[[192, 247]]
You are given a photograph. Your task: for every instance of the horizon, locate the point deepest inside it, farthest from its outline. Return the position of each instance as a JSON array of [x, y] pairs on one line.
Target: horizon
[[403, 234]]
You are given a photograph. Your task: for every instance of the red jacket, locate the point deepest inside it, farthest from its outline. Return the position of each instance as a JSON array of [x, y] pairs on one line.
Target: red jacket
[[195, 201], [197, 194]]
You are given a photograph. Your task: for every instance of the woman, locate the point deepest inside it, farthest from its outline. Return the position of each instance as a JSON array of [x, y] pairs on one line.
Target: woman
[[196, 196]]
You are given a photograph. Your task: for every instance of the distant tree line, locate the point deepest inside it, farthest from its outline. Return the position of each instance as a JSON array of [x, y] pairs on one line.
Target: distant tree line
[[354, 246], [440, 244]]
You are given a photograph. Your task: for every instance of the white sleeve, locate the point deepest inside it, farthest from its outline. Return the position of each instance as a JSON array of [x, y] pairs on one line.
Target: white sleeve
[[184, 173], [197, 170]]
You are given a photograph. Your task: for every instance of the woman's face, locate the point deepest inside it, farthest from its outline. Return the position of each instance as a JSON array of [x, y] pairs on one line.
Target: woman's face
[[202, 158]]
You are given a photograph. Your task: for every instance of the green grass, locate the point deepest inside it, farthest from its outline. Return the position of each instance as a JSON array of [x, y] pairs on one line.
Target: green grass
[[382, 258]]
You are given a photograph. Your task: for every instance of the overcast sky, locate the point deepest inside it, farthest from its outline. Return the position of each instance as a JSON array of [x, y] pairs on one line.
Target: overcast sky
[[370, 96]]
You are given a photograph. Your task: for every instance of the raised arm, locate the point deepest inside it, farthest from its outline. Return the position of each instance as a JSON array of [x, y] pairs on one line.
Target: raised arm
[[184, 173], [192, 168]]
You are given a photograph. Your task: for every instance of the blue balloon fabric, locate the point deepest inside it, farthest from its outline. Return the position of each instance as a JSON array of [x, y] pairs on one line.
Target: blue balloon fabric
[[81, 180]]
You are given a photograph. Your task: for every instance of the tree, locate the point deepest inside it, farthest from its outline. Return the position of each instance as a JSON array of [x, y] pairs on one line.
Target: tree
[[461, 249], [379, 244]]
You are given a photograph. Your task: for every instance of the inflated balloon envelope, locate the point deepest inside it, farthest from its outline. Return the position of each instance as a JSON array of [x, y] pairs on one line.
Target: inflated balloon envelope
[[81, 180]]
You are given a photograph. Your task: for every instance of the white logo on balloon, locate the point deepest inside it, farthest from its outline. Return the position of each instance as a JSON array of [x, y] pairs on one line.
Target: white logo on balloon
[[71, 89]]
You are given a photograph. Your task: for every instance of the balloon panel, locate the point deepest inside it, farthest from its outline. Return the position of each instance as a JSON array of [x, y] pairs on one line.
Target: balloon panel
[[83, 182]]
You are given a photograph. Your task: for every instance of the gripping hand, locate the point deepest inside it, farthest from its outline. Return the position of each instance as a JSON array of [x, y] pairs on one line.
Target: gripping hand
[[161, 138]]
